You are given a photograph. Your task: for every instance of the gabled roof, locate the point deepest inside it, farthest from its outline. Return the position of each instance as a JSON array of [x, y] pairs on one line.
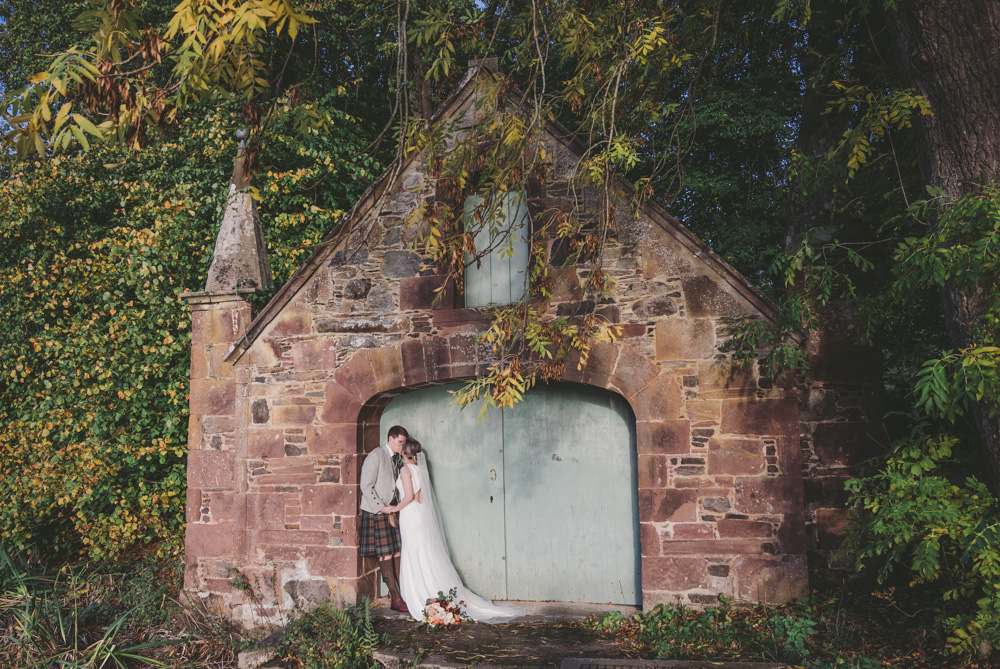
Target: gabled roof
[[477, 69]]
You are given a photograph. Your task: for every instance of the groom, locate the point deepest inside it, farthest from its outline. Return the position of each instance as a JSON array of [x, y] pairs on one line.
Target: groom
[[378, 490]]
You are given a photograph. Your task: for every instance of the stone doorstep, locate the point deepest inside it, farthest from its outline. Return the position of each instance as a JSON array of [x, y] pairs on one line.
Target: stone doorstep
[[397, 661], [598, 663]]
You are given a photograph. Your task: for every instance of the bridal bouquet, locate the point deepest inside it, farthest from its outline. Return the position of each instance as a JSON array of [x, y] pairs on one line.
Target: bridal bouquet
[[442, 611]]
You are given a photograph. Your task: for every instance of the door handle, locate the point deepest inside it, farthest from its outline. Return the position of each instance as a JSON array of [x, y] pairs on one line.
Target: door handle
[[493, 474]]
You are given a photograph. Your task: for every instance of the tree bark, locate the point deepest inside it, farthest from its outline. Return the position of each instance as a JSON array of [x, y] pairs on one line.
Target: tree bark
[[949, 52]]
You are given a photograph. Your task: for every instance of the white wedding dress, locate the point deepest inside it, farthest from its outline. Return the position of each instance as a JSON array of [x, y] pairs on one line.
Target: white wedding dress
[[425, 566]]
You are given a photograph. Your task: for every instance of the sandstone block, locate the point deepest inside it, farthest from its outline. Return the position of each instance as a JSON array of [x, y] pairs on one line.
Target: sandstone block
[[411, 354], [826, 492], [199, 362], [266, 511], [738, 463], [659, 506], [774, 580], [339, 439], [771, 495], [313, 354], [336, 562], [704, 412], [792, 534], [664, 436], [462, 350], [732, 528], [294, 320], [265, 443], [674, 573], [356, 376], [658, 400], [760, 417], [632, 372], [711, 547], [725, 380], [565, 284], [219, 323], [208, 469], [693, 531], [192, 506], [437, 358], [387, 366], [339, 404], [329, 499], [208, 541], [218, 368], [600, 364], [293, 414], [290, 537], [652, 470], [830, 525], [684, 339], [706, 297], [213, 397], [649, 539]]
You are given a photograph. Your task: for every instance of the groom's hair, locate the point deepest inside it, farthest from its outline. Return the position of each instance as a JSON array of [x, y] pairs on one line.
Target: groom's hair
[[397, 430]]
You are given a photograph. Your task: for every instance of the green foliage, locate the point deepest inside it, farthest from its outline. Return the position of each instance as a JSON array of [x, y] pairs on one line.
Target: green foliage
[[94, 346], [915, 516], [805, 633], [63, 617], [328, 637]]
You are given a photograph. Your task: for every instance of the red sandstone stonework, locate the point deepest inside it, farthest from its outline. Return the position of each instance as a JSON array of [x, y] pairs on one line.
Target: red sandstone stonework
[[280, 425]]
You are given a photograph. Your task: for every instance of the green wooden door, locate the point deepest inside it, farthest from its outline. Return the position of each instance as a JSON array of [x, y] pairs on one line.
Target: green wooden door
[[540, 501]]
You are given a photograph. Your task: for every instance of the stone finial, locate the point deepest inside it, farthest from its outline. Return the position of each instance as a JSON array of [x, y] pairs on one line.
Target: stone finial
[[240, 257]]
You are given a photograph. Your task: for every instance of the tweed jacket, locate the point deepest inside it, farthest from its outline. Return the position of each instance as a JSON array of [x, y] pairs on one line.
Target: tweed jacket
[[378, 481]]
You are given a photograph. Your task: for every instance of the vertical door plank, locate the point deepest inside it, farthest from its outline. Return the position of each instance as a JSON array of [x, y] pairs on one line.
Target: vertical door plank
[[571, 497]]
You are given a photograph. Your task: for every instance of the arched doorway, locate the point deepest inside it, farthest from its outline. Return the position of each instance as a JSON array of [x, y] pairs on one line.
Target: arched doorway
[[539, 502]]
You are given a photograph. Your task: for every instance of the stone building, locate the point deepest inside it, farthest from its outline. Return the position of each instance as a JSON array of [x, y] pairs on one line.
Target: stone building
[[658, 472]]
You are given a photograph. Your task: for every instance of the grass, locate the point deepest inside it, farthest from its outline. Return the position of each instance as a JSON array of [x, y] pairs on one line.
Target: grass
[[125, 615]]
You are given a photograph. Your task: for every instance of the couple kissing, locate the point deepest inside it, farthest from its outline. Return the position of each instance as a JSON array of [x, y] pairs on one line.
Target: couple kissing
[[413, 555]]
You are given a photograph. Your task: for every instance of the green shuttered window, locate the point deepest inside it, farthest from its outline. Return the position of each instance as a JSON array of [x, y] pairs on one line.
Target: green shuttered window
[[502, 226]]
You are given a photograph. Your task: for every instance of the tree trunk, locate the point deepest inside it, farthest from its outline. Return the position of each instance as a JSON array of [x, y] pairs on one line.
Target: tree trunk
[[949, 52]]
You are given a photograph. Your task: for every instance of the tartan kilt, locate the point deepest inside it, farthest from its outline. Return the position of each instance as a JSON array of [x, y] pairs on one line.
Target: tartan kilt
[[377, 536]]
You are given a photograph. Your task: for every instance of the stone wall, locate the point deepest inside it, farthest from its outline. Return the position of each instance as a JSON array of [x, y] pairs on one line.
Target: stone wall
[[719, 465], [840, 408]]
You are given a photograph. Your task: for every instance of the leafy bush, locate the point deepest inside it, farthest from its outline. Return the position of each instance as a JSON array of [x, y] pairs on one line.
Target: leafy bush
[[328, 638], [913, 517], [95, 249], [816, 633]]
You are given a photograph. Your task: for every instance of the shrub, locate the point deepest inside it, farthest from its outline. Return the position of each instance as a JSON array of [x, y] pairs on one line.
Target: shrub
[[913, 517]]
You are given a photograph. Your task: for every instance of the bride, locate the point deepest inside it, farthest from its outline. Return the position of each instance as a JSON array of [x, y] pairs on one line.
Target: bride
[[425, 566]]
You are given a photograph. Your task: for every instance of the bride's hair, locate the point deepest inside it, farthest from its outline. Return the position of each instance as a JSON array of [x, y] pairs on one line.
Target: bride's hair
[[411, 448]]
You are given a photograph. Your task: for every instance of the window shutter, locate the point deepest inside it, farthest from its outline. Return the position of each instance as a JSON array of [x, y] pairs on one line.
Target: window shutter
[[506, 231]]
